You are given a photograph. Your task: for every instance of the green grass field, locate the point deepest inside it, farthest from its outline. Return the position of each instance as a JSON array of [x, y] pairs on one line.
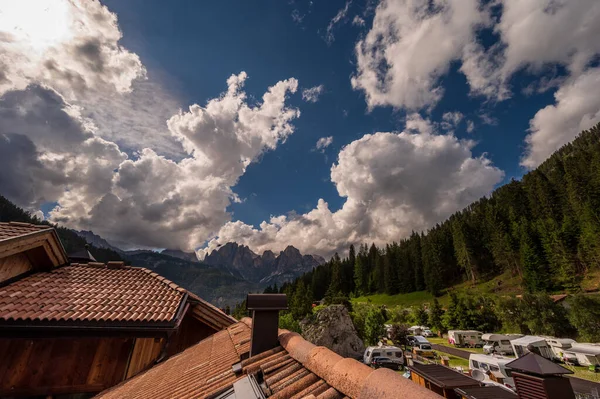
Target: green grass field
[[499, 286]]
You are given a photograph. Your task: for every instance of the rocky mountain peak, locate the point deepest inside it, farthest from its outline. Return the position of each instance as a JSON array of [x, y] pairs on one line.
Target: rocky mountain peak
[[265, 268]]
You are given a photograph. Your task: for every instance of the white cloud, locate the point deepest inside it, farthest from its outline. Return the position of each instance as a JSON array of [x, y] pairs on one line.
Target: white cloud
[[71, 96], [577, 108], [323, 143], [470, 126], [341, 14], [358, 21], [312, 94], [71, 46], [410, 46], [393, 183], [450, 120], [487, 119], [157, 202]]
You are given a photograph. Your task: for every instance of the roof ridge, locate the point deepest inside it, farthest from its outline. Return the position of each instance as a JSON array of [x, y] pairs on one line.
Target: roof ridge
[[352, 378]]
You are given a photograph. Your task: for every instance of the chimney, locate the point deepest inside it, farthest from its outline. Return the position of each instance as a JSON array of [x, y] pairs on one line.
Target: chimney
[[538, 378], [265, 320]]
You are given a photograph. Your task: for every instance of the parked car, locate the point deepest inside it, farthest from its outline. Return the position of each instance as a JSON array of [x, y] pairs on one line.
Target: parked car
[[391, 352], [420, 346], [385, 362]]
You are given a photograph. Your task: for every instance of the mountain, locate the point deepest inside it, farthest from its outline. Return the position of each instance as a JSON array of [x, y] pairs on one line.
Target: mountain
[[189, 256], [241, 261], [96, 240], [210, 283]]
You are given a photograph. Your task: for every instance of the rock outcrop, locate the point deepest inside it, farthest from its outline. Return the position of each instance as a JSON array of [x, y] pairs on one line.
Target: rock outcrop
[[332, 327]]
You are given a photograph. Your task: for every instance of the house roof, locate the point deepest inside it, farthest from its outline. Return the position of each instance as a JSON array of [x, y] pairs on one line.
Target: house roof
[[91, 292], [442, 376], [16, 237], [18, 229], [102, 293], [296, 369], [487, 392], [536, 364]]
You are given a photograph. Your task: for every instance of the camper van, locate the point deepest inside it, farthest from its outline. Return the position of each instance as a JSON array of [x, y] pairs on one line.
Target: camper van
[[499, 343], [392, 352], [468, 338], [586, 354], [417, 330], [491, 368], [559, 346], [538, 344]]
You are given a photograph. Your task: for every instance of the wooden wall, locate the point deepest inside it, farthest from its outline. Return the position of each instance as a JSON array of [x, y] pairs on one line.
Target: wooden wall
[[144, 355], [62, 365], [14, 265], [190, 332]]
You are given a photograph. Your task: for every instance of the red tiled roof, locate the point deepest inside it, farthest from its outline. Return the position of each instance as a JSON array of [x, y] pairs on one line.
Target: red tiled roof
[[17, 229], [94, 292], [297, 369]]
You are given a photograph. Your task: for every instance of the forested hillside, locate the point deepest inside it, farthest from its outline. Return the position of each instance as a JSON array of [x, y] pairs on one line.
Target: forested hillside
[[544, 228], [72, 242]]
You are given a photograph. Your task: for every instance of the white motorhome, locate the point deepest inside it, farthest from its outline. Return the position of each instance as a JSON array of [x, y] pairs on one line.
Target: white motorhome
[[499, 343], [417, 330], [559, 346], [586, 354], [468, 338], [393, 352], [484, 366], [521, 346]]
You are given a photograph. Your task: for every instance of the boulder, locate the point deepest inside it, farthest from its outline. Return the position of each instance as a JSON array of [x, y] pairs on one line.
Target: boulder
[[332, 327]]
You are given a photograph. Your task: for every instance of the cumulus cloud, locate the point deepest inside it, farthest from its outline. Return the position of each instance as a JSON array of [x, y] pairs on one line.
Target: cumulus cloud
[[450, 120], [71, 46], [410, 46], [393, 183], [312, 94], [577, 108], [323, 143], [155, 201], [341, 14]]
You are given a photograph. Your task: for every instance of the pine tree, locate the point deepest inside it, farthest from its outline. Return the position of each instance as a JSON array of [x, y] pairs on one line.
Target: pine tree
[[436, 316]]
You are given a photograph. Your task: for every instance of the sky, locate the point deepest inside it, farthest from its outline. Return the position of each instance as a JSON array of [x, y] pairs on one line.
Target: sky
[[317, 124]]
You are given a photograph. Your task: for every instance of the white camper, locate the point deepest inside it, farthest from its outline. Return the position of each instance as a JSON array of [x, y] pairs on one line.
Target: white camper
[[559, 346], [499, 343], [538, 344], [393, 352], [484, 366], [586, 354], [468, 338], [417, 330]]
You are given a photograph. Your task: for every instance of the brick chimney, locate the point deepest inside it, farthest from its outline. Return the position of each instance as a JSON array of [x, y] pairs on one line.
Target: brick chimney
[[538, 378], [265, 320]]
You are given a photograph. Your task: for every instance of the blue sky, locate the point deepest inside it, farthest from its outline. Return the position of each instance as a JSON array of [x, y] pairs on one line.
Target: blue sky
[[483, 91]]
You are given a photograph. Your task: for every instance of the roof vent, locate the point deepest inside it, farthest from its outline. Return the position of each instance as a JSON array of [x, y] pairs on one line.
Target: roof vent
[[265, 320]]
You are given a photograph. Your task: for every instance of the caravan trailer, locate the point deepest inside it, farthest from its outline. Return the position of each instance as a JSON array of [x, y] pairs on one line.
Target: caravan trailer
[[492, 364], [586, 354], [559, 346], [499, 343], [417, 330], [468, 338], [521, 346]]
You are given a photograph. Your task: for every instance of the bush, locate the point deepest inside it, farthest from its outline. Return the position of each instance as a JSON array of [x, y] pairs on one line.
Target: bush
[[584, 314], [288, 322]]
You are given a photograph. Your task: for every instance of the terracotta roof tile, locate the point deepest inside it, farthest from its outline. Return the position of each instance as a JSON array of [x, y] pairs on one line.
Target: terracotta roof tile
[[84, 293], [206, 369], [17, 229]]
